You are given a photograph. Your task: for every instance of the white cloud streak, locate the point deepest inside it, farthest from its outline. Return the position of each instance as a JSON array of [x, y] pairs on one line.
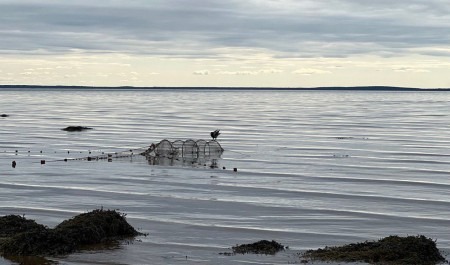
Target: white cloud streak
[[201, 72], [310, 71]]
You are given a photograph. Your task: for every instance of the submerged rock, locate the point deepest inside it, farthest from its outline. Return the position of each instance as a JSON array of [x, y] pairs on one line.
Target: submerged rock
[[76, 128], [392, 250], [260, 247], [19, 236]]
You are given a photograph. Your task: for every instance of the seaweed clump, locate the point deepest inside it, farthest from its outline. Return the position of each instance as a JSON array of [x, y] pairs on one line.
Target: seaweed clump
[[392, 250], [96, 227], [260, 247], [14, 224], [19, 236]]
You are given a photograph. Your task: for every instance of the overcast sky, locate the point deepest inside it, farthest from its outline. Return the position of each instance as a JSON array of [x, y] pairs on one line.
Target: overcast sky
[[284, 43]]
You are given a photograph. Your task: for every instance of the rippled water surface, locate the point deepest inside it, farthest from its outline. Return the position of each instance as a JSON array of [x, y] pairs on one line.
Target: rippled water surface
[[313, 168]]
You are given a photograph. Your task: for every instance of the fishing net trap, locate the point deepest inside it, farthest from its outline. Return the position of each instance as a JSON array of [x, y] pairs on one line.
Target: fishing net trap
[[187, 149]]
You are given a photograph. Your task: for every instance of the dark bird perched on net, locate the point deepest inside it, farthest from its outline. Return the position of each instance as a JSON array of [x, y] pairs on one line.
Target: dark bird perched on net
[[215, 134]]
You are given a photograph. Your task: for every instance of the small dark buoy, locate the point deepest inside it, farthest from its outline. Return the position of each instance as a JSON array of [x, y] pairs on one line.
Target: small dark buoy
[[235, 169], [42, 162], [65, 159], [224, 167], [41, 151], [14, 164], [89, 158]]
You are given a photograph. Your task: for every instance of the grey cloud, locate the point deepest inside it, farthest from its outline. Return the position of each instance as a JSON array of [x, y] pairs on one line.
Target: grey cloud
[[193, 29]]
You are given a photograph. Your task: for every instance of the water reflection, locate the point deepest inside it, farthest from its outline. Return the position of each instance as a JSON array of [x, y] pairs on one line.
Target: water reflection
[[204, 161], [30, 260]]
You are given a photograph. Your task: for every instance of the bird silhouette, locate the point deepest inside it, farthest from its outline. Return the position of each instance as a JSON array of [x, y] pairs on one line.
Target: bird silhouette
[[215, 134]]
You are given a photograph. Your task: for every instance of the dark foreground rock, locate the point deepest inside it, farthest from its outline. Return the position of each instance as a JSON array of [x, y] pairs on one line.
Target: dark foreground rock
[[392, 250], [260, 247], [22, 237], [76, 128], [14, 224]]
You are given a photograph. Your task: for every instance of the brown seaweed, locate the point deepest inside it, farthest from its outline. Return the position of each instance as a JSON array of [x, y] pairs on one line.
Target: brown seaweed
[[392, 250], [22, 237], [261, 247]]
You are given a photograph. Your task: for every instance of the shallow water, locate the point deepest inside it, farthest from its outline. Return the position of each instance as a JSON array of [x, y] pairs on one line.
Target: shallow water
[[313, 168]]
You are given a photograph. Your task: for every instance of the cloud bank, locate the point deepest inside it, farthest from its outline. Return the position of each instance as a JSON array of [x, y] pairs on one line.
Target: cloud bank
[[195, 29]]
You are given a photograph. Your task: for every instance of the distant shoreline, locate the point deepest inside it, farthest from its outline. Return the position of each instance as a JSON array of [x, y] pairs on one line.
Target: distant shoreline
[[355, 88]]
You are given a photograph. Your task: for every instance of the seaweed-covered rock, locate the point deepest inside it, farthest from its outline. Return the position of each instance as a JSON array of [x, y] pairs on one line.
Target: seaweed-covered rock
[[20, 236], [96, 226], [13, 224], [260, 247], [38, 242], [76, 128], [392, 250]]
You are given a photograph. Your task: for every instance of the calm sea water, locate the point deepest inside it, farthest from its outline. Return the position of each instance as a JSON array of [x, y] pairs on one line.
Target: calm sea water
[[314, 168]]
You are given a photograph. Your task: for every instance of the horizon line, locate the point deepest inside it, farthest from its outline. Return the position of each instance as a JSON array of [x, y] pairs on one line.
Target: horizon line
[[372, 88]]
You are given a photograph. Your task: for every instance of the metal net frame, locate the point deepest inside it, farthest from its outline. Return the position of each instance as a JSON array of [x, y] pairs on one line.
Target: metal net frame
[[186, 148], [164, 147], [190, 148], [213, 148]]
